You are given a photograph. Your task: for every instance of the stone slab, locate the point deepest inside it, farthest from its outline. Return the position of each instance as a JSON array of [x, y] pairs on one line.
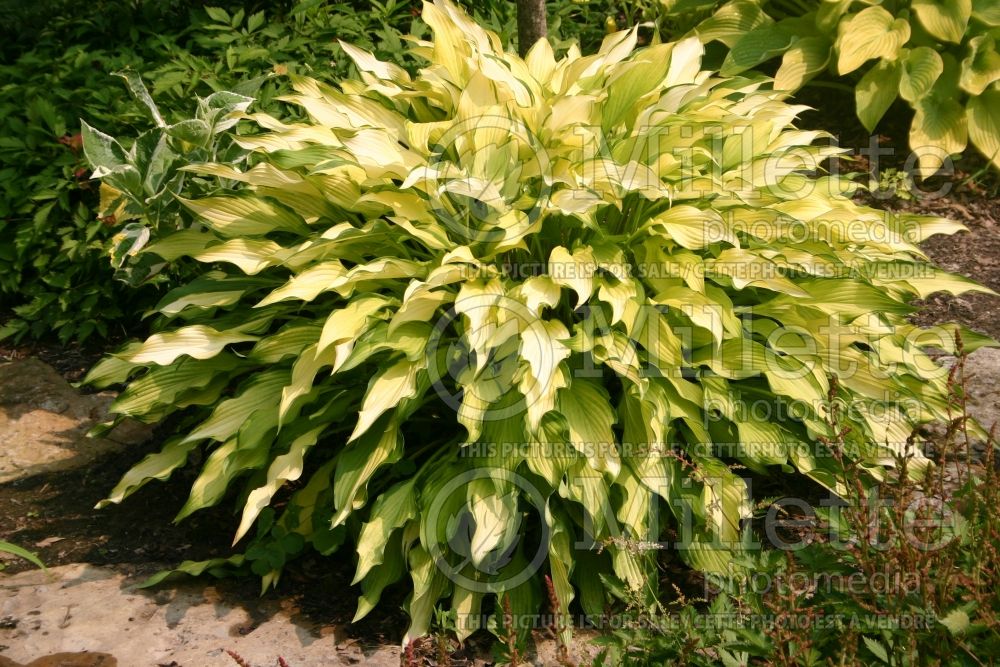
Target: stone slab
[[44, 422], [76, 609]]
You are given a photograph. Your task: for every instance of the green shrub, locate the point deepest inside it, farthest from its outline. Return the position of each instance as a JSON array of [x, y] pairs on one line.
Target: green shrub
[[479, 323], [54, 277], [940, 56]]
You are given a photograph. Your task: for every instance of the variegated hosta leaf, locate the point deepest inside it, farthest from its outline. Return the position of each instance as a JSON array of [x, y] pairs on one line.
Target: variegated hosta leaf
[[472, 317]]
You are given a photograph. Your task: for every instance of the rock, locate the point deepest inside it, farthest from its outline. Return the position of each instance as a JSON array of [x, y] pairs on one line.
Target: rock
[[88, 611], [66, 660], [982, 369], [44, 421]]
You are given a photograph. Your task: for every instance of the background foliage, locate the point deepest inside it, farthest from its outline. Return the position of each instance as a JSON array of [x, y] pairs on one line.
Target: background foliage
[[940, 56], [57, 69]]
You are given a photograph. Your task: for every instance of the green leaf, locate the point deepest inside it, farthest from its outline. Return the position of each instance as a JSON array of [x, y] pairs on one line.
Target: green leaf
[[731, 22], [574, 270], [221, 109], [939, 129], [21, 552], [756, 46], [192, 130], [285, 468], [631, 84], [589, 418], [218, 14], [876, 92], [497, 524], [921, 69], [691, 227], [215, 566], [245, 216], [877, 649], [829, 13], [159, 465], [166, 385], [377, 447], [138, 89], [543, 347], [103, 152], [428, 585], [389, 571], [255, 21], [128, 243], [986, 11], [806, 58], [259, 393], [392, 510], [982, 66], [385, 391], [560, 565], [983, 114], [944, 19], [871, 33]]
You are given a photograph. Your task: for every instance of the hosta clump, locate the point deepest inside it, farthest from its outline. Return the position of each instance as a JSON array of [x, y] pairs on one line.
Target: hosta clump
[[481, 324]]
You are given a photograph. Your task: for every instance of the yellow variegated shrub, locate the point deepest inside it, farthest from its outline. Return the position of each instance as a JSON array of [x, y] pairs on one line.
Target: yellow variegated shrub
[[512, 318]]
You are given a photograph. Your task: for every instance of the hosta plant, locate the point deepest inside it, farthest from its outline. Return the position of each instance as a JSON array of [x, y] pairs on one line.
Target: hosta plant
[[940, 56], [139, 186], [518, 317]]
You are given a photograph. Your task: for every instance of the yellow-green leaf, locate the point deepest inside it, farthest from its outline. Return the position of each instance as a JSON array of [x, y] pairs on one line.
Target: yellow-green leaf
[[983, 115], [876, 92], [589, 418], [939, 129], [245, 216], [982, 66], [944, 19], [806, 58], [871, 33], [731, 22], [921, 69]]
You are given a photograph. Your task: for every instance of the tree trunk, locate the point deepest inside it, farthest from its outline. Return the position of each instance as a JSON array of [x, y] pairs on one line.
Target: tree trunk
[[531, 24]]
